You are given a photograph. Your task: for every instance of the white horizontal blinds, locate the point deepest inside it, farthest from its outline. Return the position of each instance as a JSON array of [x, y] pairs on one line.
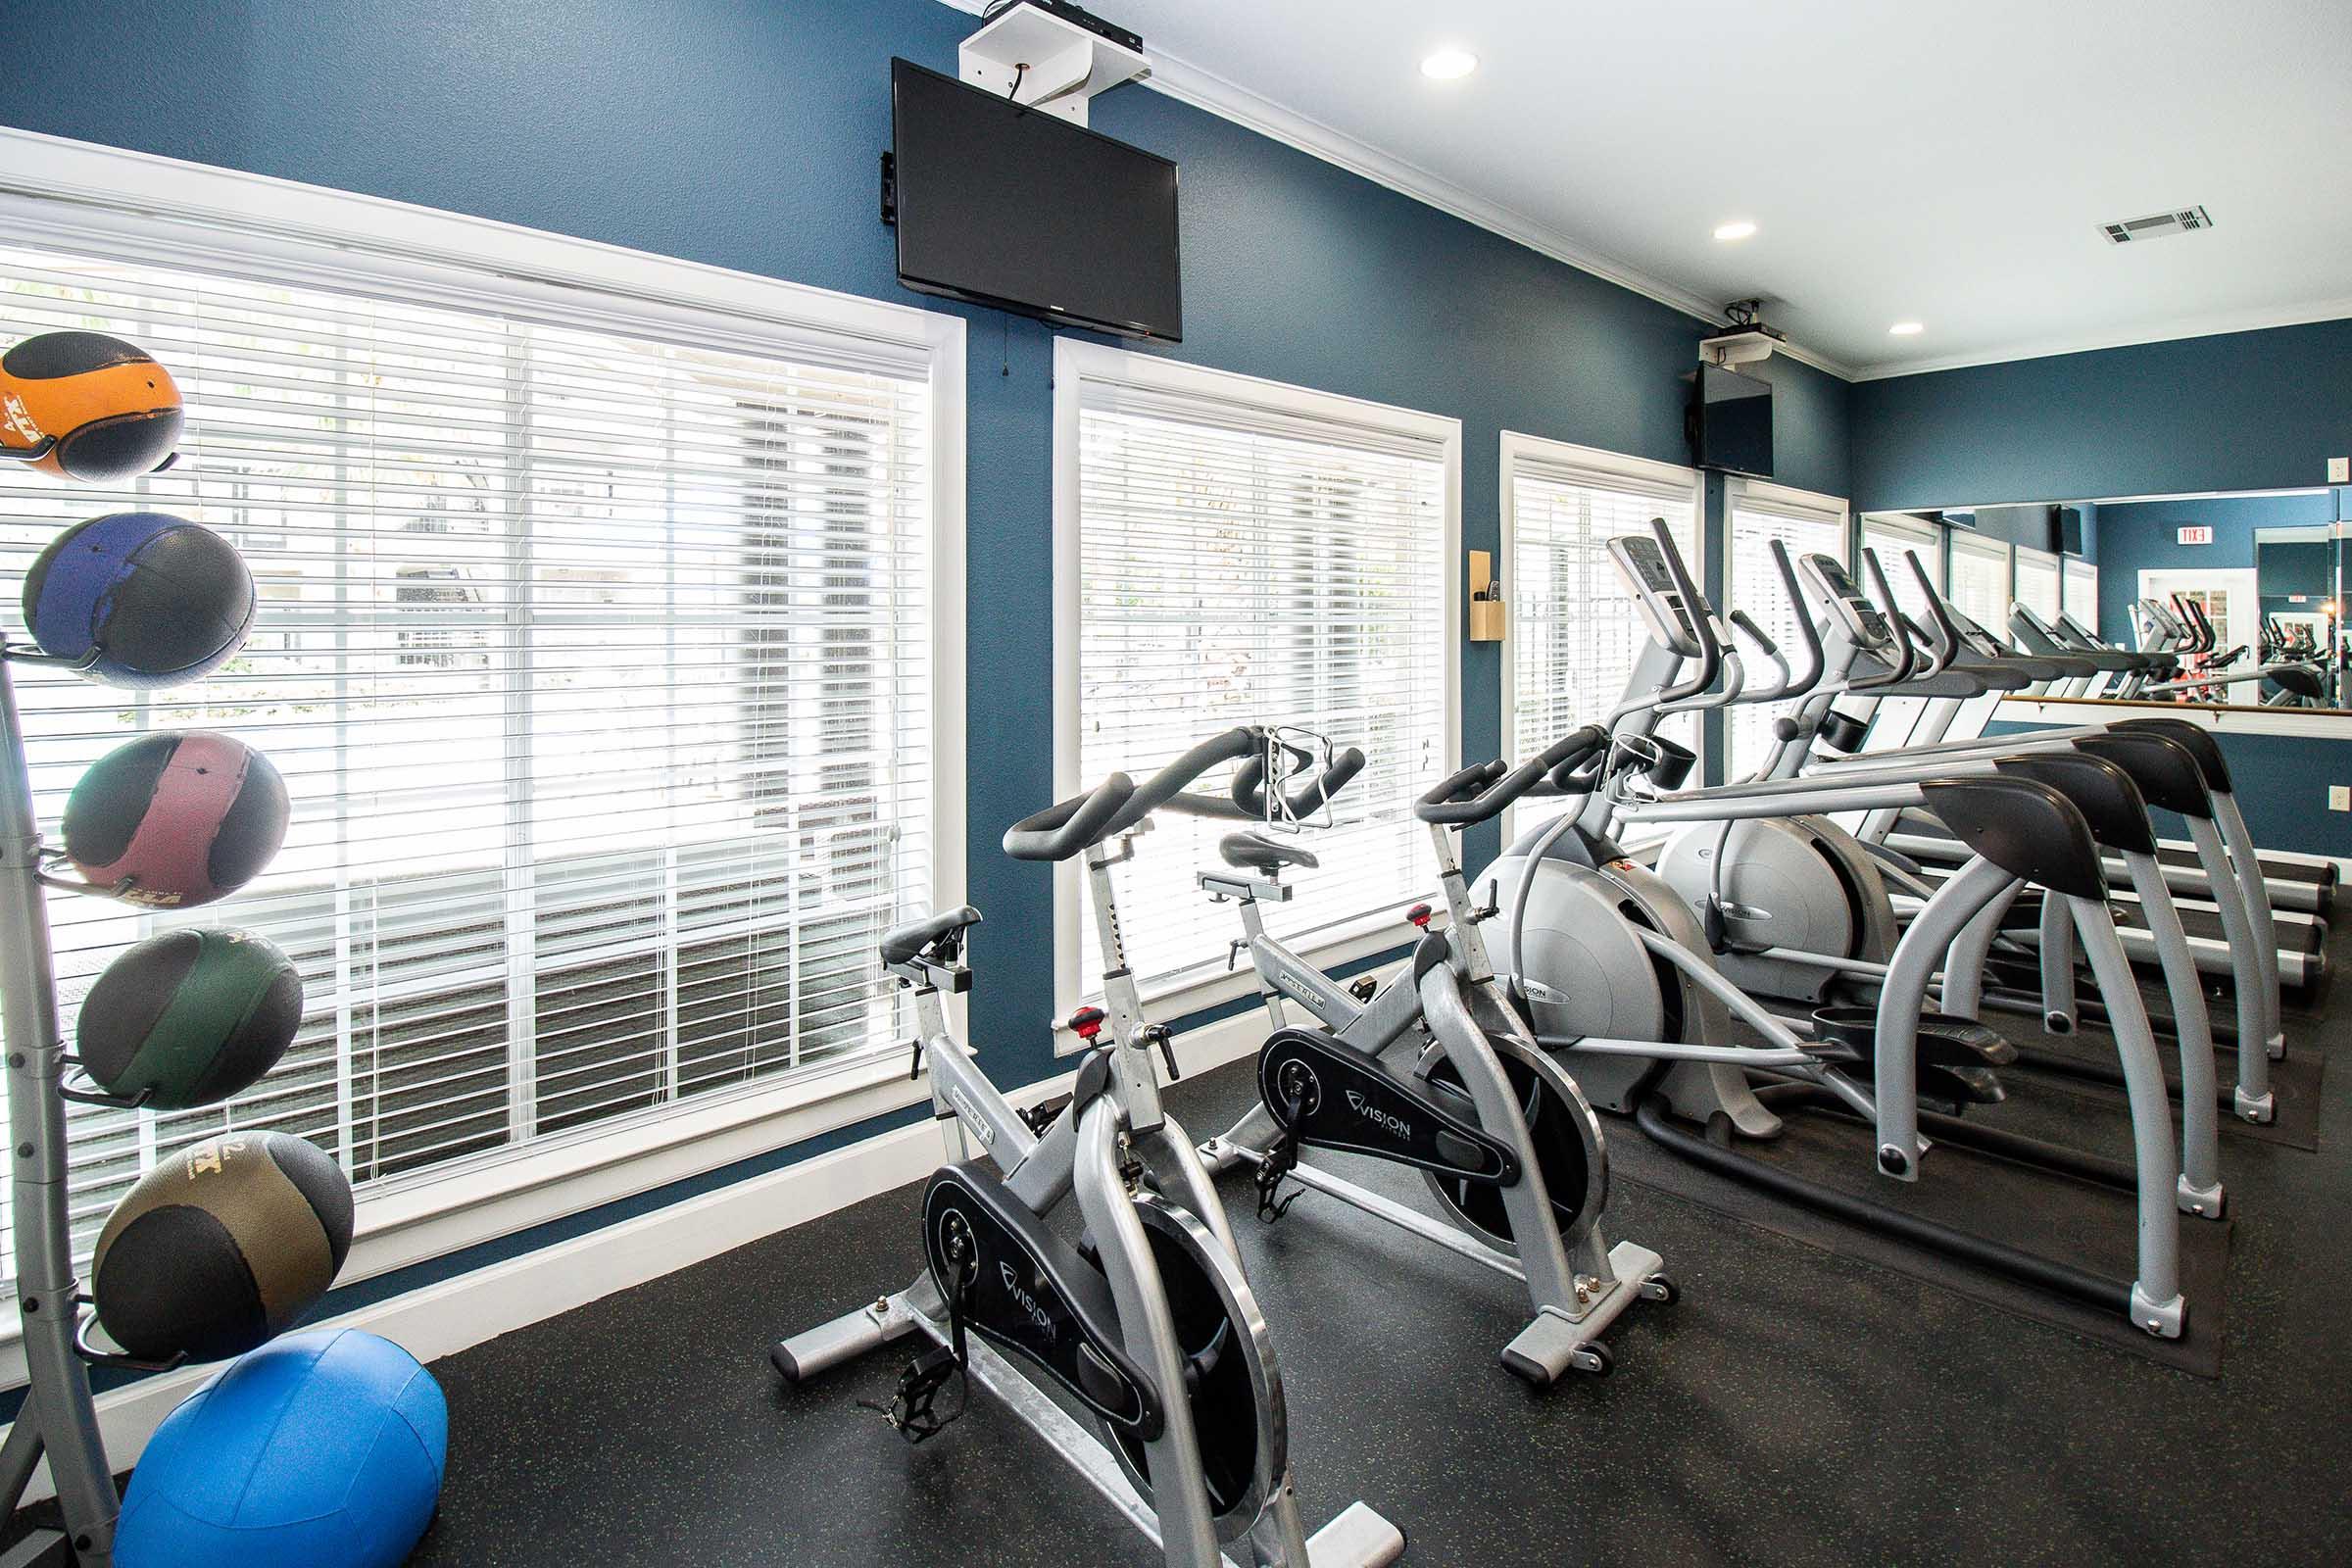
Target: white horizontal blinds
[[1895, 541], [597, 669], [1805, 525], [1979, 585], [1242, 566], [1575, 630], [2037, 585], [2079, 594]]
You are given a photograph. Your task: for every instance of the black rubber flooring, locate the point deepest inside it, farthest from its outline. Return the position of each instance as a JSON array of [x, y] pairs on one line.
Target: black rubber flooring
[[1801, 1404]]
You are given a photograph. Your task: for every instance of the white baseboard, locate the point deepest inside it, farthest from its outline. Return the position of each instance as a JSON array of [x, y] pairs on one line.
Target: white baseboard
[[472, 1308]]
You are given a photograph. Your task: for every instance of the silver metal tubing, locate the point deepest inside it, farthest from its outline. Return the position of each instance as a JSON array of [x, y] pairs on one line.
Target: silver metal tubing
[[1963, 988], [59, 1408], [1412, 1221], [2248, 863], [1527, 1200], [1897, 1039], [1187, 1534], [2200, 1187], [2255, 989], [2156, 1303]]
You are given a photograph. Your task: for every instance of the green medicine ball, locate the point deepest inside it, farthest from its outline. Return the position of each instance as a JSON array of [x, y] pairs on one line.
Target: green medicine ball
[[190, 1017], [221, 1246]]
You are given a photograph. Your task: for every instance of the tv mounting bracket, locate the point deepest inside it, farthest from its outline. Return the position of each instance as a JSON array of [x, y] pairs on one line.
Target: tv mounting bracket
[[1040, 56]]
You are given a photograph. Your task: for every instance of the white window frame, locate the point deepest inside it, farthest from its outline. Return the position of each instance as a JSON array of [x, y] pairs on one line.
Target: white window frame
[[1075, 363], [1765, 495], [1909, 533], [64, 193], [1534, 452], [2020, 558], [2077, 569], [1967, 541]]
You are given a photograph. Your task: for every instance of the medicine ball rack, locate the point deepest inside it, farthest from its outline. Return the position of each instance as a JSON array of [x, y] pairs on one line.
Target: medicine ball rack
[[57, 1419]]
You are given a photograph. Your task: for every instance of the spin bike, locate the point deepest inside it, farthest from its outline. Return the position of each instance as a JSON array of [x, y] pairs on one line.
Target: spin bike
[[1432, 1071], [1146, 1323]]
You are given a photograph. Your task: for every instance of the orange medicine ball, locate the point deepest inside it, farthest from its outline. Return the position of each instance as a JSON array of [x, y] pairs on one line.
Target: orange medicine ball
[[112, 411]]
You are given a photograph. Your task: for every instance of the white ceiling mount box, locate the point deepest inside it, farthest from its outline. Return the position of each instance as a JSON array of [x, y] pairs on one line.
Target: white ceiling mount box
[[1046, 62]]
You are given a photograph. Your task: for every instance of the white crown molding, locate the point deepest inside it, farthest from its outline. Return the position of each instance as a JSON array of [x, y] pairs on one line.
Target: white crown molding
[[2220, 324], [1204, 90]]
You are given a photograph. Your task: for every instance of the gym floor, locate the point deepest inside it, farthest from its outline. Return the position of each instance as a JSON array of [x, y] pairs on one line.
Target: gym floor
[[1799, 1404]]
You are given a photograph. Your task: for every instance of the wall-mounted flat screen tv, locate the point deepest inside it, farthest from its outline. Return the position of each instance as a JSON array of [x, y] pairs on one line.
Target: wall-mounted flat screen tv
[[1730, 422], [1021, 210]]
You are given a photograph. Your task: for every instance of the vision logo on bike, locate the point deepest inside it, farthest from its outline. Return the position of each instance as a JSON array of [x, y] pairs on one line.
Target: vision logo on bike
[[1388, 1122]]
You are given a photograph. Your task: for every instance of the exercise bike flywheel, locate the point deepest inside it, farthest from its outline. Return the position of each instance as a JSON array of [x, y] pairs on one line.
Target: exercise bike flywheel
[[1230, 1384], [1567, 1140]]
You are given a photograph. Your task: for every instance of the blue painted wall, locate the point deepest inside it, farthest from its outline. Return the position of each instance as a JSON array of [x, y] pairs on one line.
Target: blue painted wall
[[2242, 411], [745, 134], [2139, 536]]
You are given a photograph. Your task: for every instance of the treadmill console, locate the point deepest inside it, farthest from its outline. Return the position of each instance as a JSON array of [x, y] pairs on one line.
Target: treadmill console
[[1835, 587], [1643, 564]]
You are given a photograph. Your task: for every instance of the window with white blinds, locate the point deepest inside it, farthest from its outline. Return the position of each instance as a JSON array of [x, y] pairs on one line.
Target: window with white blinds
[[1979, 585], [2079, 594], [1805, 523], [1895, 539], [598, 668], [2037, 586], [1574, 628], [1238, 553]]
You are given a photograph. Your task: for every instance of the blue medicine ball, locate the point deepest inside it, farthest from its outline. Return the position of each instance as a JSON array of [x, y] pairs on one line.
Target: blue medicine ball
[[156, 600], [321, 1449]]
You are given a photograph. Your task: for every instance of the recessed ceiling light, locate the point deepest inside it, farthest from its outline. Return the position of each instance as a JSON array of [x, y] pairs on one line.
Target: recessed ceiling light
[[1908, 328], [1450, 65], [1736, 228]]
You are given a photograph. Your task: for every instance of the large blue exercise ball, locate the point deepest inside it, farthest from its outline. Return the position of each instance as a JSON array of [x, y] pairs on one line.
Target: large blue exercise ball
[[321, 1449]]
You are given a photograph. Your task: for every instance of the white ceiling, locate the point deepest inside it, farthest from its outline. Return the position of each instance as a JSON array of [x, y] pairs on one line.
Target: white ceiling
[[1945, 161]]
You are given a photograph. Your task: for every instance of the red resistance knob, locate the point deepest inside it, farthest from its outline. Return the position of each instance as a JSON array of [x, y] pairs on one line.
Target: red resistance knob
[[1418, 916], [1087, 1023]]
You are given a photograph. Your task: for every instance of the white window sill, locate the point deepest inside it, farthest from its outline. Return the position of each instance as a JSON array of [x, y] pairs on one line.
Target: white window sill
[[403, 1225]]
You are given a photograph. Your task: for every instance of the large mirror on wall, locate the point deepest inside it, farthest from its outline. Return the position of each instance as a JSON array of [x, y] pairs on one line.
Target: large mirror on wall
[[2238, 596]]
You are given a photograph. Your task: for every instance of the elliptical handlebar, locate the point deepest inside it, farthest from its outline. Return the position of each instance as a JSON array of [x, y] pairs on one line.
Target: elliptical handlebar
[[1906, 651], [1792, 682], [1070, 826], [1481, 792], [1943, 649], [1695, 605]]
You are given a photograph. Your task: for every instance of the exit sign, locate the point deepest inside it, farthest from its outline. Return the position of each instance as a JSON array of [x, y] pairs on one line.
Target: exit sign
[[2197, 534]]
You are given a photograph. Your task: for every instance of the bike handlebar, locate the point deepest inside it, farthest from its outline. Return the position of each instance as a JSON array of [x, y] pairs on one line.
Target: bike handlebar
[[1497, 784], [1062, 830]]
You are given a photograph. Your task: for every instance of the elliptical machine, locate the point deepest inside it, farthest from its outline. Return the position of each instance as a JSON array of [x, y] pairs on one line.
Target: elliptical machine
[[1615, 967], [1147, 1322], [1434, 1071]]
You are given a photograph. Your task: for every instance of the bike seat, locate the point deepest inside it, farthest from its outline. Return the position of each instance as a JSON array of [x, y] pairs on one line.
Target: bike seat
[[902, 943], [1247, 851]]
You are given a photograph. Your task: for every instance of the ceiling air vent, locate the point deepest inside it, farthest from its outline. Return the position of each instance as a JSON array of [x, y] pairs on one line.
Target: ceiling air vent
[[2179, 221]]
